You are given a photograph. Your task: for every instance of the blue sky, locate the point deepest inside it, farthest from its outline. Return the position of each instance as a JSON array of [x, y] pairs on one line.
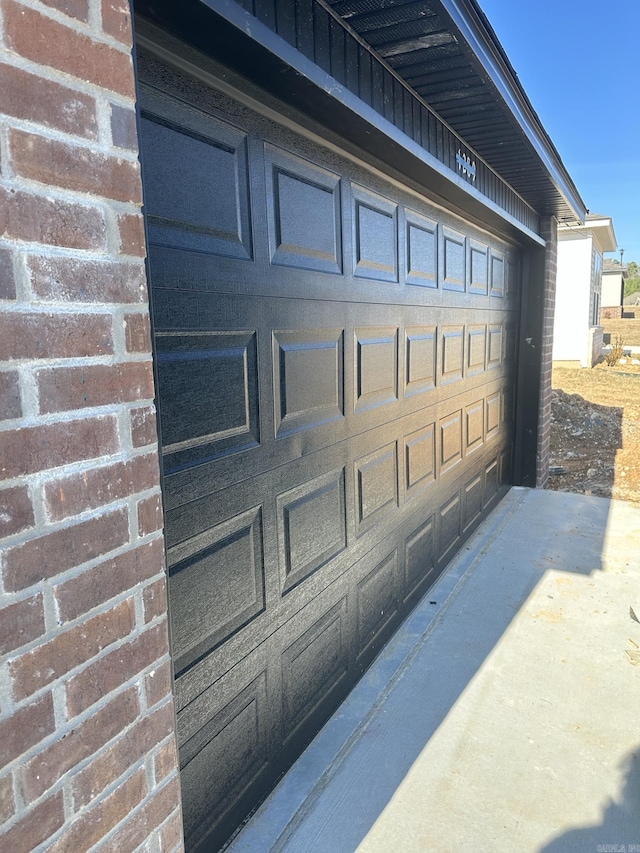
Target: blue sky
[[580, 66]]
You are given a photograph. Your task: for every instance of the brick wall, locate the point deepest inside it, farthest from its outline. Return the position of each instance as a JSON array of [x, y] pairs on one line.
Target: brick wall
[[87, 739], [611, 312], [549, 231]]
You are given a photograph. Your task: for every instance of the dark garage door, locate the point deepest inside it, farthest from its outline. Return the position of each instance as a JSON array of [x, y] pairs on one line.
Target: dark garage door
[[336, 363]]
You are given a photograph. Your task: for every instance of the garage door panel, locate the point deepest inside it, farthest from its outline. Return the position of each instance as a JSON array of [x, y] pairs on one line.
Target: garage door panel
[[302, 428], [210, 273], [421, 248], [375, 236], [294, 187], [309, 378], [312, 526], [336, 382], [217, 581], [313, 665], [210, 386], [197, 189], [377, 602]]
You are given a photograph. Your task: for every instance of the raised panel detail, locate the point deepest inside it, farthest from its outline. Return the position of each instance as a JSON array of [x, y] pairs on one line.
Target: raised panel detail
[[311, 526], [208, 391], [304, 213], [476, 349], [377, 601], [490, 481], [450, 441], [312, 666], [420, 348], [375, 238], [472, 502], [376, 484], [474, 420], [449, 525], [493, 414], [497, 274], [308, 378], [452, 353], [376, 368], [420, 457], [422, 250], [478, 272], [216, 586], [196, 187], [223, 757], [495, 346], [453, 260], [418, 556]]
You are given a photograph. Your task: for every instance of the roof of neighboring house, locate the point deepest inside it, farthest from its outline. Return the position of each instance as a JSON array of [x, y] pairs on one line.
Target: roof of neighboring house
[[611, 266]]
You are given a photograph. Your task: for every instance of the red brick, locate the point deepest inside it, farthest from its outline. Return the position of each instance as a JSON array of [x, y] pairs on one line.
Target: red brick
[[155, 600], [124, 129], [99, 486], [143, 426], [64, 549], [82, 593], [73, 280], [143, 822], [49, 43], [44, 770], [27, 727], [25, 335], [94, 824], [32, 449], [48, 662], [132, 240], [24, 216], [72, 167], [62, 389], [16, 512], [7, 279], [28, 96], [10, 403], [137, 330], [131, 747], [78, 9], [171, 833], [7, 801], [20, 623], [165, 760], [111, 671], [116, 20], [158, 684], [35, 827], [149, 515]]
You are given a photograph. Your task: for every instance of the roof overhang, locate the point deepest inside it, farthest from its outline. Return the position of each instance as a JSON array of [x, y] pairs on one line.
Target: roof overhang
[[600, 228], [485, 151], [447, 51]]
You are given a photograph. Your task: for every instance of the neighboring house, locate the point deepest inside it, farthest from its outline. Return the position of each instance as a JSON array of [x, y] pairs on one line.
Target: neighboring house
[[613, 278], [350, 222], [577, 334]]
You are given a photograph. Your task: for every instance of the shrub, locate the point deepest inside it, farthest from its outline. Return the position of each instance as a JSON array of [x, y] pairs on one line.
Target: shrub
[[616, 352]]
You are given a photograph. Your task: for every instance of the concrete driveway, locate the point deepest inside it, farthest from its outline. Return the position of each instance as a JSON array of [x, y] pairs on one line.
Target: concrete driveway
[[505, 713]]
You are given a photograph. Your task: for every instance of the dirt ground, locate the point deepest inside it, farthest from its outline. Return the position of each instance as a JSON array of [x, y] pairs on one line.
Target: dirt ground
[[595, 431]]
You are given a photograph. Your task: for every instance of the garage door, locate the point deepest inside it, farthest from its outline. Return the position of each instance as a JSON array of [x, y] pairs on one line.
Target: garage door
[[336, 367]]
